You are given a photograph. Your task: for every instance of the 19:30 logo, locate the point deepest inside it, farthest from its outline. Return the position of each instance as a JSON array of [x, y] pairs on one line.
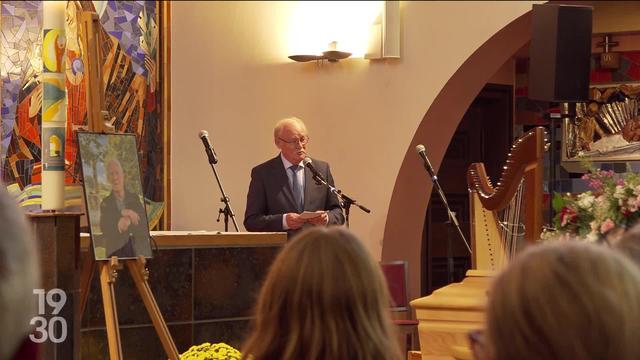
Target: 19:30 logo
[[55, 329]]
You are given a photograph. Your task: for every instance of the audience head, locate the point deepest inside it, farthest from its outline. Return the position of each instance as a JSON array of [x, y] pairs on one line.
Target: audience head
[[19, 275], [324, 298], [291, 137], [629, 244], [568, 300]]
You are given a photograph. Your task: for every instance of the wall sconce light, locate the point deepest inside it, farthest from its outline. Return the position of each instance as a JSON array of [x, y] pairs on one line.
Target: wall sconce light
[[331, 55], [384, 35], [609, 60]]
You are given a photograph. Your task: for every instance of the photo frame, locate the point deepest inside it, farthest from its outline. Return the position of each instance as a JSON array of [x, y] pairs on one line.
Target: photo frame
[[113, 195]]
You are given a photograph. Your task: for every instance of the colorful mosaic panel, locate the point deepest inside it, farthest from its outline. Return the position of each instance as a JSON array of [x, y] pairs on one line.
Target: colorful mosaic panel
[[129, 39], [20, 65]]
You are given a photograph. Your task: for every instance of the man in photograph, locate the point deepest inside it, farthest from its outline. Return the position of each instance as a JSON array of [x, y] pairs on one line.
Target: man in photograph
[[122, 216]]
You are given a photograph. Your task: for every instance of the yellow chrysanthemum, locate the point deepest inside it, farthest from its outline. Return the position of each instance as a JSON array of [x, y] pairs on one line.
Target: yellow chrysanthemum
[[207, 351]]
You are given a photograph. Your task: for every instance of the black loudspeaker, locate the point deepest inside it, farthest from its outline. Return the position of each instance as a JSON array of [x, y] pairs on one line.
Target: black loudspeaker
[[560, 53]]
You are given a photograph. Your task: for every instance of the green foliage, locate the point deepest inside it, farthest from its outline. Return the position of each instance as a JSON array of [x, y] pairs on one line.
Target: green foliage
[[558, 202], [99, 149]]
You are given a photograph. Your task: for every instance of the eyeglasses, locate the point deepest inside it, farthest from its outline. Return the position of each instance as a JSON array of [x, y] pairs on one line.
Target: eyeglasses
[[302, 141]]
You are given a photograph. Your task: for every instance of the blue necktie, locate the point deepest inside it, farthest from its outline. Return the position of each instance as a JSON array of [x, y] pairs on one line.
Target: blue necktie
[[296, 187]]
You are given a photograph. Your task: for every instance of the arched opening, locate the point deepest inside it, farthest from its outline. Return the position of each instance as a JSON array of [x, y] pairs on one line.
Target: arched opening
[[405, 220]]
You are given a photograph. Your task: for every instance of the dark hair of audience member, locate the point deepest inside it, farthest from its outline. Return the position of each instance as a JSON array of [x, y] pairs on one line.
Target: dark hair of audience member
[[324, 298], [565, 301]]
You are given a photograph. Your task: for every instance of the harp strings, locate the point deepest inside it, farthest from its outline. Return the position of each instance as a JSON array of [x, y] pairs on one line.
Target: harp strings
[[512, 226]]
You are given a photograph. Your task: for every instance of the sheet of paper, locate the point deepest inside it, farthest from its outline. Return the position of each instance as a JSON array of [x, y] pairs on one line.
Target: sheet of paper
[[309, 215]]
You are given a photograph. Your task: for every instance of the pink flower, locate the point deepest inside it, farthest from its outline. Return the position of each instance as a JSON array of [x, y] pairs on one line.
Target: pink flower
[[567, 215], [596, 185], [607, 225]]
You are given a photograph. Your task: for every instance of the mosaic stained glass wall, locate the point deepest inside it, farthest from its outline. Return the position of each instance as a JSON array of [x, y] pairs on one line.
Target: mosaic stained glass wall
[[21, 64], [130, 41]]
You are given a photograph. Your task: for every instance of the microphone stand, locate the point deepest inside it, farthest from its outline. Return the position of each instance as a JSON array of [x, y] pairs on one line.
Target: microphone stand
[[227, 208], [345, 201], [452, 220]]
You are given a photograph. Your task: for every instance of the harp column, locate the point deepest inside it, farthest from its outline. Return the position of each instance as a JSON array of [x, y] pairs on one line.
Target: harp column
[[54, 105]]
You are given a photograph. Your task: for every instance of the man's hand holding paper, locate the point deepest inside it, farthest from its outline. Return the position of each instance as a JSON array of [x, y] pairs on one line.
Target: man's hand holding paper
[[319, 217]]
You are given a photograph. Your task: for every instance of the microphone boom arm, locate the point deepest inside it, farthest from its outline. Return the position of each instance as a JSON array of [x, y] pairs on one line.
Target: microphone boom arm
[[344, 200]]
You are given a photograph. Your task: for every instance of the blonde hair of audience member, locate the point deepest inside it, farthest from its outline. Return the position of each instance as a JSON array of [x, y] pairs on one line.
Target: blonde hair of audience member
[[565, 301], [324, 298], [19, 275], [629, 244]]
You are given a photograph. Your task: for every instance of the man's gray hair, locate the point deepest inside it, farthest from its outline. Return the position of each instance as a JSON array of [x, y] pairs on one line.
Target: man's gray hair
[[19, 275], [294, 121]]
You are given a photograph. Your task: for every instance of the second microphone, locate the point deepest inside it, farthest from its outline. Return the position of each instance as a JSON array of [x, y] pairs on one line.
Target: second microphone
[[211, 154]]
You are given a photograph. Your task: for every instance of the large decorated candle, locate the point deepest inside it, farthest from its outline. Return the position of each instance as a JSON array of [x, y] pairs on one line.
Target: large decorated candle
[[54, 105]]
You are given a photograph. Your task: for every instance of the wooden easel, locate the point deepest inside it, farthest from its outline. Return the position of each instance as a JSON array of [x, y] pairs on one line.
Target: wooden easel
[[108, 268], [108, 274]]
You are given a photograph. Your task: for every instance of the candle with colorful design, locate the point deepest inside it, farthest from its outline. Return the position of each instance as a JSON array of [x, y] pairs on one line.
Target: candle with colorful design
[[54, 105]]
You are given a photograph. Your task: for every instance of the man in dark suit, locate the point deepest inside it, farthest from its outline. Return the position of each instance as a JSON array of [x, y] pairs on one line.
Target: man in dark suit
[[282, 188], [123, 219]]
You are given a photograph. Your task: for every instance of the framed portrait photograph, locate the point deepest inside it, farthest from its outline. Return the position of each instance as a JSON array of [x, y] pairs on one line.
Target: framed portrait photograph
[[113, 195]]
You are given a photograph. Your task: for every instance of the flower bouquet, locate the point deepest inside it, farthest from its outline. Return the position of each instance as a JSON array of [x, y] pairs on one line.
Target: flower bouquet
[[207, 351], [612, 205]]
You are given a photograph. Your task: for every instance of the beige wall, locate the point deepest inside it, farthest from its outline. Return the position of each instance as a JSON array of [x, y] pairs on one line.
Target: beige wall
[[615, 16], [230, 76]]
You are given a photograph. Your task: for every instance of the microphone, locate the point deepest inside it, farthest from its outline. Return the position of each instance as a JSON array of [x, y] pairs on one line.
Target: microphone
[[308, 163], [204, 136], [427, 164]]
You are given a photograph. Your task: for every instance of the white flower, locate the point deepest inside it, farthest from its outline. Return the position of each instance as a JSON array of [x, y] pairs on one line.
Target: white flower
[[619, 193], [585, 200]]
